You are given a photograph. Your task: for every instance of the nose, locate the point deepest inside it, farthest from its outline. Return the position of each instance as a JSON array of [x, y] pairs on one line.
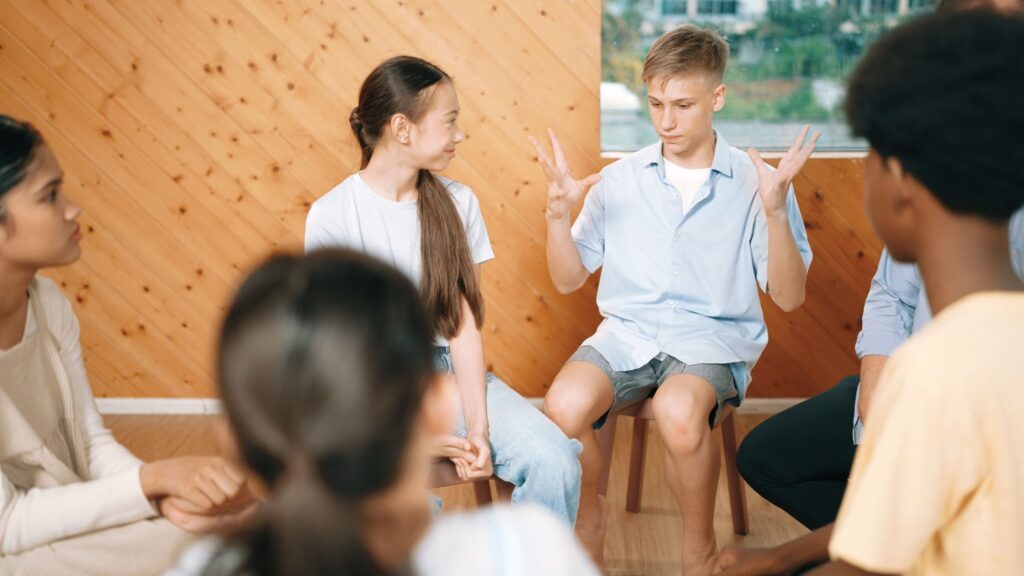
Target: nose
[[666, 122], [459, 135], [71, 210]]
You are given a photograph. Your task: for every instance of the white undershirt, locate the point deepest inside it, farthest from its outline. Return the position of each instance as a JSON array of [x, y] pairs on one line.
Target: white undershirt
[[688, 181]]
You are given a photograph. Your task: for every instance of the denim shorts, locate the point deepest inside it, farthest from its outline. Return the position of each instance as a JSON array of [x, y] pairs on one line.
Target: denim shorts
[[635, 385]]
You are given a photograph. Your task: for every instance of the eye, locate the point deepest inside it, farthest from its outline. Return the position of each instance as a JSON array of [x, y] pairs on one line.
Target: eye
[[51, 196], [682, 106], [656, 104]]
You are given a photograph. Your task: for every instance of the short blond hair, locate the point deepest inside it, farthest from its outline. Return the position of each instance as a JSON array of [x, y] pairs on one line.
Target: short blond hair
[[685, 50]]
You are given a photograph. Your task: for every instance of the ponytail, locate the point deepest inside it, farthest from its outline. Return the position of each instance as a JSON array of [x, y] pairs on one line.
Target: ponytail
[[449, 273]]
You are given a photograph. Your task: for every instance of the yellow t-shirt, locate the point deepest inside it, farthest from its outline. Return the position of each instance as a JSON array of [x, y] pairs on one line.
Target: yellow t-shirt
[[937, 487]]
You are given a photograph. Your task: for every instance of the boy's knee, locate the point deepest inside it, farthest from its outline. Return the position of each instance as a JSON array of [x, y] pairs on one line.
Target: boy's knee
[[683, 424], [566, 409]]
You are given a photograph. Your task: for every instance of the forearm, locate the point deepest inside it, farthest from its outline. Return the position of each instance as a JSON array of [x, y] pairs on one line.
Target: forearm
[[39, 516], [467, 353], [841, 569], [787, 274], [870, 369], [806, 550], [564, 263]]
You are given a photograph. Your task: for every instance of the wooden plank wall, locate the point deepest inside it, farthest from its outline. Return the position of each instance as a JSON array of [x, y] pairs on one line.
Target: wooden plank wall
[[195, 135]]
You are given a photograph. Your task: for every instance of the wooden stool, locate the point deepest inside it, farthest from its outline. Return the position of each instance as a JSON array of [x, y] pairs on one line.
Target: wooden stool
[[442, 473], [643, 413]]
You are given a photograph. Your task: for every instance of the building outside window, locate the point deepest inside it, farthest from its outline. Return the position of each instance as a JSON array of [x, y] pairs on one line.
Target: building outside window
[[789, 60]]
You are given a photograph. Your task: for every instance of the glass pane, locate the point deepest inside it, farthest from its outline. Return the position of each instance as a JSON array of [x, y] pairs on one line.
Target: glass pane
[[788, 63]]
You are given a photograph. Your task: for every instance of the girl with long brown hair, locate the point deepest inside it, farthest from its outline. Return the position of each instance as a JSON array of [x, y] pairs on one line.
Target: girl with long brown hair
[[398, 209]]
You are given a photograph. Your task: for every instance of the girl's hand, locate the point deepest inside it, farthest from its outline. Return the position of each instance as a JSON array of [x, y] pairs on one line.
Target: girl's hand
[[481, 467], [452, 446], [205, 483], [564, 190], [181, 514], [773, 185]]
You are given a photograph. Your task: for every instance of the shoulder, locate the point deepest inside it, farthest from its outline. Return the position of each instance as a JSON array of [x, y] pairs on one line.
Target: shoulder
[[744, 173], [465, 199], [460, 192], [337, 196], [978, 330], [55, 305], [631, 164]]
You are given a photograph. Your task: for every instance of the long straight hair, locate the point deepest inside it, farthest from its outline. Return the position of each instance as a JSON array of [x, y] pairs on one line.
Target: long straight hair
[[323, 364], [400, 85]]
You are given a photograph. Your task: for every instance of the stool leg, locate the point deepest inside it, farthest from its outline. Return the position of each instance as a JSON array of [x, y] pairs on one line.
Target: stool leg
[[637, 455], [737, 495], [606, 439], [482, 489], [504, 490]]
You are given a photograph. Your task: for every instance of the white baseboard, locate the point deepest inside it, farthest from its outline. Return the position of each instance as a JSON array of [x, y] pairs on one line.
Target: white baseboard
[[213, 405], [158, 405]]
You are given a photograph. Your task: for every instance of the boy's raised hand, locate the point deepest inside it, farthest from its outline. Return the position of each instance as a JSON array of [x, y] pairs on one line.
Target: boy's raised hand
[[564, 189], [774, 184]]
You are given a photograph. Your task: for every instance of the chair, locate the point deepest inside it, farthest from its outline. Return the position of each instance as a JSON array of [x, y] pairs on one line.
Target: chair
[[442, 473], [643, 413]]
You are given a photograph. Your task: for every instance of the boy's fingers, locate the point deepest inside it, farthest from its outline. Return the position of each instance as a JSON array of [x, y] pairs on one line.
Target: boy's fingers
[[755, 157], [557, 147], [798, 142]]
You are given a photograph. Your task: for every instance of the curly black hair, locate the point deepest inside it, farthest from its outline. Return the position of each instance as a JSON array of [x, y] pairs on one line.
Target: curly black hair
[[943, 94]]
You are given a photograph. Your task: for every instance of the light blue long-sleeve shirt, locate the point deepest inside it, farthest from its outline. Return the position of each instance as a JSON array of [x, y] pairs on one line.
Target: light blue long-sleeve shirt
[[897, 306], [682, 283]]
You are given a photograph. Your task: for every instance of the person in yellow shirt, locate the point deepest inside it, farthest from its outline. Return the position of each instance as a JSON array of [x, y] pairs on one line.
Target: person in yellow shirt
[[937, 486]]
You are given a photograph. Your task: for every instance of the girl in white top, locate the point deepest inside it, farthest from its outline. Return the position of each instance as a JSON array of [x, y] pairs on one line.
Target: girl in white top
[[326, 369], [431, 229], [72, 500]]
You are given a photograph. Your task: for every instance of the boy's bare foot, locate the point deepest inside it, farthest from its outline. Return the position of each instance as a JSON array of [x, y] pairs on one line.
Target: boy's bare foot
[[590, 530], [698, 562]]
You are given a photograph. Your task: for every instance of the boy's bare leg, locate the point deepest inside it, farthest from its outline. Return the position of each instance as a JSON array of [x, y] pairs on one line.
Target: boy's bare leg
[[579, 396], [681, 409]]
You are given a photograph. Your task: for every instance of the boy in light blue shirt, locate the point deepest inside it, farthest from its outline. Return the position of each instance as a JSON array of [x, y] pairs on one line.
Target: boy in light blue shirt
[[685, 230]]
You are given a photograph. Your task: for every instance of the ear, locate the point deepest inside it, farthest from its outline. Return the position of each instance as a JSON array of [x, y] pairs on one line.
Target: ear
[[718, 98], [400, 127], [902, 191], [438, 403]]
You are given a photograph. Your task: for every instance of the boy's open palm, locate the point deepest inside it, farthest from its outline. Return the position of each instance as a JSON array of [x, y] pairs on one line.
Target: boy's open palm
[[564, 189], [774, 184]]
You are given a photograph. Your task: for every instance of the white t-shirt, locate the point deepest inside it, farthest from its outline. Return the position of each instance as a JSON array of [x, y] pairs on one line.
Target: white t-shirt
[[354, 216], [496, 541], [502, 541], [688, 181], [114, 494]]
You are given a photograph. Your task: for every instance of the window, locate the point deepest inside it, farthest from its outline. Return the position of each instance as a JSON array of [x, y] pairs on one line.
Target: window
[[788, 63]]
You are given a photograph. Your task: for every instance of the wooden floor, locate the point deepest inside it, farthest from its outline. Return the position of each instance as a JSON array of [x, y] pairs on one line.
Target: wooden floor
[[637, 544]]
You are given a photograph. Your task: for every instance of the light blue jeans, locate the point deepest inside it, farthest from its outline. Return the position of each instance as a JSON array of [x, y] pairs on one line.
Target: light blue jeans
[[528, 450]]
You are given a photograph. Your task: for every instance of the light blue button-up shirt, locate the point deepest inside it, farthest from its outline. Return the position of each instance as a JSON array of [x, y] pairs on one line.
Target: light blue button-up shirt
[[682, 284], [897, 306]]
